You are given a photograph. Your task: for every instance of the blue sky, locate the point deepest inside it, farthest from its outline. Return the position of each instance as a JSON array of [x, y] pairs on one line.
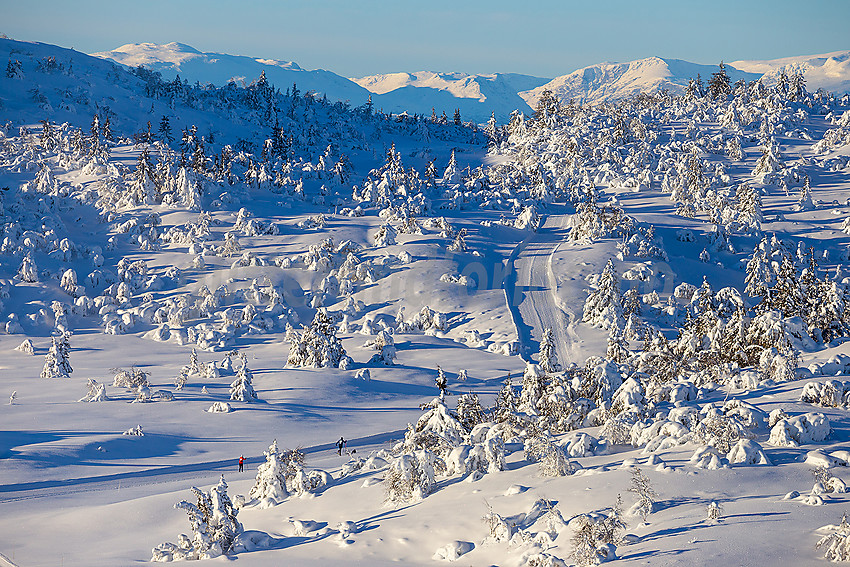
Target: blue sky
[[360, 37]]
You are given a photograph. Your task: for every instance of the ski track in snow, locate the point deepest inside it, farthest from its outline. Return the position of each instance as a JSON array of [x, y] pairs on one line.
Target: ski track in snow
[[531, 291], [207, 470]]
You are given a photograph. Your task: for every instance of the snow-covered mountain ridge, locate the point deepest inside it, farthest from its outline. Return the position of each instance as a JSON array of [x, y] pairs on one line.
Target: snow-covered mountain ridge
[[477, 96], [172, 59], [609, 82]]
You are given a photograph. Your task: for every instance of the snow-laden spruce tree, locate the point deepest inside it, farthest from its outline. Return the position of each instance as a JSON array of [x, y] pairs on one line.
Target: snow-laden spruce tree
[[28, 272], [316, 346], [213, 523], [69, 283], [56, 364], [505, 408], [548, 359], [270, 485], [441, 381], [60, 317], [604, 306], [469, 411], [451, 175], [770, 160], [804, 201], [242, 390]]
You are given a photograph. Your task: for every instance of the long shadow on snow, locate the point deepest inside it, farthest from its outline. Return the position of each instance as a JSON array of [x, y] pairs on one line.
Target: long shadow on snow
[[753, 518], [104, 449], [208, 468]]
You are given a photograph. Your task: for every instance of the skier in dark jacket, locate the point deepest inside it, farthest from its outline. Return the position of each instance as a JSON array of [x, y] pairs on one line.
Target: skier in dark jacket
[[340, 445]]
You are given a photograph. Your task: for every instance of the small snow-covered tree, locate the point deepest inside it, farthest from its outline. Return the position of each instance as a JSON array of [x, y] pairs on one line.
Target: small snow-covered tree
[[804, 202], [459, 243], [386, 236], [604, 306], [28, 272], [69, 283], [242, 390], [469, 411], [441, 381], [451, 175], [60, 317], [506, 403], [714, 511], [410, 477], [385, 345], [836, 545], [641, 486], [26, 347], [316, 346], [231, 246], [96, 393], [56, 364], [213, 523], [548, 359], [270, 485], [131, 379]]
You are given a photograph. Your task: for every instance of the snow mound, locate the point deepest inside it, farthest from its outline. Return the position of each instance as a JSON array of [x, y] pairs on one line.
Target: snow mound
[[453, 551]]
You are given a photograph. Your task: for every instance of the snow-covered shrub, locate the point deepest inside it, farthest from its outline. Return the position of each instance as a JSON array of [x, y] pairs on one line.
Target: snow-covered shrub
[[713, 511], [131, 379], [836, 544], [829, 394], [453, 551], [385, 345], [499, 530], [26, 347], [96, 392], [410, 477], [800, 430], [219, 407], [595, 536], [135, 432], [747, 452]]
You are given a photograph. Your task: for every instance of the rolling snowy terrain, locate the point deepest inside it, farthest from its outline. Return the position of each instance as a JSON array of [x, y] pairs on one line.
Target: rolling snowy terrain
[[598, 333]]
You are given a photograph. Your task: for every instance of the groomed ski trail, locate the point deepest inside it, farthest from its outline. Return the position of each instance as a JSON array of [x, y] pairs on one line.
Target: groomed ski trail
[[531, 291]]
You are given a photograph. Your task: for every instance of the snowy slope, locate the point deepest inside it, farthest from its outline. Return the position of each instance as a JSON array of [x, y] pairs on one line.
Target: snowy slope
[[607, 82], [476, 96], [829, 71], [174, 59]]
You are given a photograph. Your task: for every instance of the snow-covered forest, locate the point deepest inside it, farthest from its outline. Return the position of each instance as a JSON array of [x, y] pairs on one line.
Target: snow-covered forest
[[610, 332]]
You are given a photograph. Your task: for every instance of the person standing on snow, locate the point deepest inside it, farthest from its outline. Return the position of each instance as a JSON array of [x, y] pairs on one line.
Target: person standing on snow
[[340, 445], [241, 462]]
